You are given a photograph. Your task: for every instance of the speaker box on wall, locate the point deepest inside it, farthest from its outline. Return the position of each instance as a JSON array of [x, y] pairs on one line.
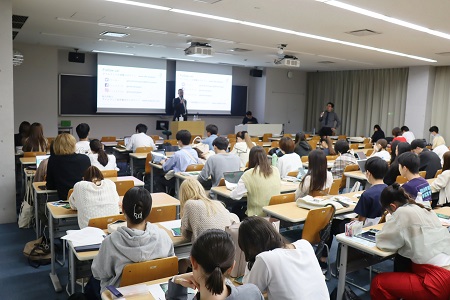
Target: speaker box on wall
[[256, 73], [76, 57]]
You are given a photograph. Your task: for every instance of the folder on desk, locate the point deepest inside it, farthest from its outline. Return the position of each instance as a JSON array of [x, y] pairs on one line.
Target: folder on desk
[[87, 248]]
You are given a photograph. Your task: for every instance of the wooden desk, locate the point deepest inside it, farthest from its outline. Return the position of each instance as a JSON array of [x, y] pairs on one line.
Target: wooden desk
[[106, 295], [138, 160], [28, 160], [290, 212], [356, 175], [38, 192], [109, 144], [137, 182], [286, 187]]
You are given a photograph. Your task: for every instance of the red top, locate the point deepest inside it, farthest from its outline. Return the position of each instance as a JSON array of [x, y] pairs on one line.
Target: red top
[[400, 139]]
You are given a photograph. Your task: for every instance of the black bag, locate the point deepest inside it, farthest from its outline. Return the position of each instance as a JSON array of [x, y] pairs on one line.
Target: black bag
[[168, 147], [37, 252], [349, 294]]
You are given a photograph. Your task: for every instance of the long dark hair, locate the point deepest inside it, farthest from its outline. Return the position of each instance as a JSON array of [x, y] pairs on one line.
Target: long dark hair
[[317, 170], [214, 251], [299, 137], [395, 193], [97, 147], [258, 158], [257, 235], [394, 145]]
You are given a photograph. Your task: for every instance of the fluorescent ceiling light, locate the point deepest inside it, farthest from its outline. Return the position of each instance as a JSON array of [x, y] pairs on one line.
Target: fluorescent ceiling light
[[135, 3], [278, 29], [112, 52], [379, 16], [114, 34]]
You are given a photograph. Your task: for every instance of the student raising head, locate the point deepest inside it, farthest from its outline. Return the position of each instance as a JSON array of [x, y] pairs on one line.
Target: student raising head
[[99, 158], [212, 258], [199, 213], [415, 233], [273, 264], [136, 242], [94, 197]]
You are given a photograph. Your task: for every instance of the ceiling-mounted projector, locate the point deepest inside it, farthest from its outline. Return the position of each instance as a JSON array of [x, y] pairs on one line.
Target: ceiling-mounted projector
[[197, 49], [288, 61]]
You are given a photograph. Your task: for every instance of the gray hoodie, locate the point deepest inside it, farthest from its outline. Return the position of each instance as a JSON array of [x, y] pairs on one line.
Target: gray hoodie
[[126, 246]]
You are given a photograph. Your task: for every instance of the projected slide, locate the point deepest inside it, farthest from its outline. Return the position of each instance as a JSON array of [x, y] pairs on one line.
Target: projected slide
[[205, 93], [130, 90]]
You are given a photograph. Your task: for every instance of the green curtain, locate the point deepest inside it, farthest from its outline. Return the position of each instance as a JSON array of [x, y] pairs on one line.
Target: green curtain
[[441, 102]]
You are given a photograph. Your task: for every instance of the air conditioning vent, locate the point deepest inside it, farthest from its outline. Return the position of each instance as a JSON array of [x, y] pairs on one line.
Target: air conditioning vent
[[363, 32], [18, 21], [325, 62]]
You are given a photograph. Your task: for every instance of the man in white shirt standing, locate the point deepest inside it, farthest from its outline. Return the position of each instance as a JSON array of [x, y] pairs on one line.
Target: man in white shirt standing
[[82, 146], [408, 135], [140, 138]]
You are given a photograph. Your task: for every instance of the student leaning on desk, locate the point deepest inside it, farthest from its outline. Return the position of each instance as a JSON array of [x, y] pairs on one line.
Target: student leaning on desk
[[416, 233]]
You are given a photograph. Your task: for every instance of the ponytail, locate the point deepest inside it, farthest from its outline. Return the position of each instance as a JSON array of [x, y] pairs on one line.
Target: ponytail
[[395, 193], [214, 281], [97, 147]]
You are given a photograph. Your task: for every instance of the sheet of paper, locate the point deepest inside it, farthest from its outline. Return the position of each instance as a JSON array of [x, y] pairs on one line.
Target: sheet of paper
[[171, 224], [85, 236], [156, 291], [136, 289]]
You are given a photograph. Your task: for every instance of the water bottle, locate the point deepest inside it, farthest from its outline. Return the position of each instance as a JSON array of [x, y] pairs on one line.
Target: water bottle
[[301, 173], [274, 159]]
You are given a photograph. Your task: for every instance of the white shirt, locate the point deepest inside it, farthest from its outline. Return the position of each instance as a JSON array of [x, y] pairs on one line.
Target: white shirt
[[289, 163], [440, 150], [382, 154], [94, 201], [303, 190], [288, 274], [111, 165], [409, 136], [241, 149], [140, 140], [83, 147]]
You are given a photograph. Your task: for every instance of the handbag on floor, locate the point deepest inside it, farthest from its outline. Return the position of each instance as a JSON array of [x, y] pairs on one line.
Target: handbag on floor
[[26, 213], [37, 252]]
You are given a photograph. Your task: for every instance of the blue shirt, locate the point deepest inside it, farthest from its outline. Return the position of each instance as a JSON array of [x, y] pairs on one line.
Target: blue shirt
[[209, 141], [369, 205], [418, 185], [181, 159]]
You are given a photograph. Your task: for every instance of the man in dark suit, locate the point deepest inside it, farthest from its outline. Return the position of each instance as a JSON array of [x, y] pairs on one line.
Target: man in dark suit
[[179, 105]]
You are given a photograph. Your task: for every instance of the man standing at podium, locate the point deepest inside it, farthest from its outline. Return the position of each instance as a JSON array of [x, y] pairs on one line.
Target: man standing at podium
[[179, 107]]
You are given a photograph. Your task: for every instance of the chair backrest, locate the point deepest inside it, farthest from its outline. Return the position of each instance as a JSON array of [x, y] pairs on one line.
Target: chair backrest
[[196, 167], [231, 135], [109, 173], [232, 145], [162, 214], [172, 142], [144, 149], [121, 143], [108, 139], [123, 186], [304, 158], [332, 157], [367, 146], [102, 222], [315, 137], [282, 198], [155, 137], [266, 137], [401, 179], [313, 144], [69, 193], [348, 168], [33, 154], [293, 173], [255, 139], [315, 221], [149, 270], [423, 174], [222, 182], [275, 144], [369, 152], [334, 189], [367, 141], [342, 137], [438, 172], [259, 143], [307, 135], [354, 146], [148, 159], [50, 140]]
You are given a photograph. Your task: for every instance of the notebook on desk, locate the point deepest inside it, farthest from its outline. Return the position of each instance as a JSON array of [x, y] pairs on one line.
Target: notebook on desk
[[40, 158], [232, 178]]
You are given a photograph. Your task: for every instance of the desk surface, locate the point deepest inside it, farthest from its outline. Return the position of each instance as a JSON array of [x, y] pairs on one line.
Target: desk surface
[[143, 155], [28, 160], [330, 164], [109, 144], [59, 212], [106, 295], [356, 174], [291, 213], [286, 187]]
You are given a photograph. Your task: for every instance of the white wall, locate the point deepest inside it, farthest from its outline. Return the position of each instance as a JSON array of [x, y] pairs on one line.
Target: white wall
[[7, 173], [257, 97]]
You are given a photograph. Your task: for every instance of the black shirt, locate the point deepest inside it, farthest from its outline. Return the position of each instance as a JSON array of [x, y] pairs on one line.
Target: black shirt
[[379, 134], [246, 120], [430, 162]]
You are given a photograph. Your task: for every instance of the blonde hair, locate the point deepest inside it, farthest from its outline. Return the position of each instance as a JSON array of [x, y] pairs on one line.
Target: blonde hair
[[191, 189], [64, 144]]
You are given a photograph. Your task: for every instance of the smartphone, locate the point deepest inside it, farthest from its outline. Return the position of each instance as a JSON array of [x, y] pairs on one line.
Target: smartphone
[[443, 216], [239, 279], [176, 231], [368, 235], [114, 291]]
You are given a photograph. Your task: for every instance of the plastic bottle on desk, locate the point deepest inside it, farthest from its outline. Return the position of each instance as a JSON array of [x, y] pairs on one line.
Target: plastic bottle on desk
[[274, 159]]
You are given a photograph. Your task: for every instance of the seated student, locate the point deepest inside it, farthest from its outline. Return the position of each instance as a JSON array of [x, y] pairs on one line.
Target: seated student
[[379, 150], [439, 147], [345, 158], [178, 162], [285, 271], [260, 182], [442, 182], [66, 167], [94, 197], [212, 258], [326, 145], [199, 213], [249, 118], [217, 164], [35, 142], [317, 178], [241, 148], [408, 165], [397, 149], [408, 135], [82, 145], [301, 147], [137, 242], [378, 133], [415, 233], [434, 133], [140, 139], [397, 133], [429, 161], [290, 161], [19, 138], [99, 158], [211, 133], [41, 171]]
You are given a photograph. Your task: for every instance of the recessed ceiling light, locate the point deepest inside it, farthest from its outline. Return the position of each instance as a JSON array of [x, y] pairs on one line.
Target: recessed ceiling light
[[112, 52], [114, 34], [135, 3]]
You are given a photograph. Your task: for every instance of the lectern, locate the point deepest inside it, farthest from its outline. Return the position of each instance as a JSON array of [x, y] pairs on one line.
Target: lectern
[[194, 127]]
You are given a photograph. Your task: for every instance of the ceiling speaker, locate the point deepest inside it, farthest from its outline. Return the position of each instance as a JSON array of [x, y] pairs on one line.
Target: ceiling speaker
[[76, 57], [256, 73]]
